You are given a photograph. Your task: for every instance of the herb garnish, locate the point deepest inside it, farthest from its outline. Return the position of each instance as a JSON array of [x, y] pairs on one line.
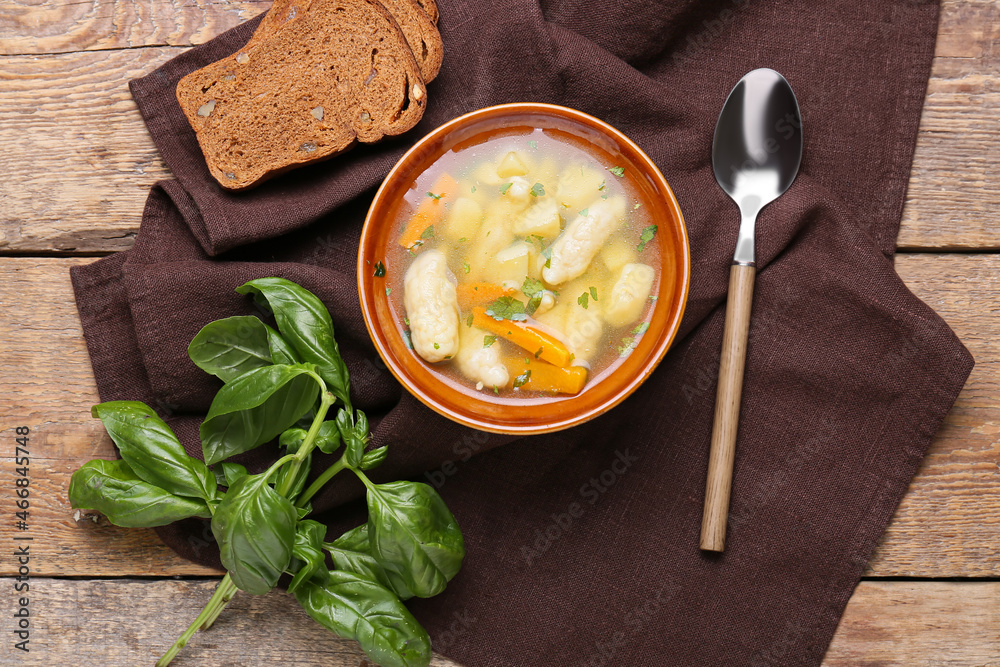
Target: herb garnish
[[583, 299], [507, 308], [388, 291], [428, 233], [547, 254], [593, 293], [522, 379], [537, 190], [379, 269], [617, 171], [641, 328], [466, 266], [628, 344], [504, 188], [533, 144], [434, 196], [468, 320], [532, 289], [585, 211], [647, 235], [489, 339]]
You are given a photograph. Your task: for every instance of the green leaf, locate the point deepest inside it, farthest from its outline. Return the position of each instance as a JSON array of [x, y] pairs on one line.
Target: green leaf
[[232, 472], [255, 528], [292, 440], [308, 551], [507, 308], [640, 329], [617, 171], [379, 269], [351, 552], [229, 348], [281, 351], [305, 323], [357, 608], [434, 196], [428, 233], [414, 536], [504, 188], [522, 379], [537, 190], [465, 265], [114, 490], [152, 450], [583, 300], [647, 235], [354, 435], [593, 293], [374, 458], [255, 408], [488, 340], [533, 144]]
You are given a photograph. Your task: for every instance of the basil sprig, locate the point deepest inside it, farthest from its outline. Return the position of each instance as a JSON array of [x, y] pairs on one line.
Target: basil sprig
[[293, 383]]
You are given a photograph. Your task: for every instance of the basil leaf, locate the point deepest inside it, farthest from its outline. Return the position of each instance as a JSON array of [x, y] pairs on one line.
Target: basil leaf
[[229, 348], [358, 608], [351, 552], [256, 407], [354, 435], [152, 450], [305, 323], [308, 550], [232, 472], [255, 528], [281, 351], [328, 438], [414, 536], [374, 458], [292, 443], [114, 490]]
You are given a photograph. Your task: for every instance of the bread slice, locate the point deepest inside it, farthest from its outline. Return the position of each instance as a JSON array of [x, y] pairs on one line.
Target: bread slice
[[431, 8], [339, 73], [416, 24]]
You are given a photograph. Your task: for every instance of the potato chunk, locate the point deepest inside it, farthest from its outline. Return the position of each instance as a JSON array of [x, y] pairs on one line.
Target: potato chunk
[[629, 295], [511, 265], [512, 164], [583, 329], [432, 306], [578, 187], [541, 219], [464, 219], [479, 362], [579, 243]]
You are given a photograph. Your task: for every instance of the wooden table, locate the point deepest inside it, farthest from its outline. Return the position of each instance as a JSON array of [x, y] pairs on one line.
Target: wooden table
[[76, 164]]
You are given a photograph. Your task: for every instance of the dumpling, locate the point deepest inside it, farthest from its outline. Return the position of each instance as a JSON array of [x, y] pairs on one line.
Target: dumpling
[[431, 303]]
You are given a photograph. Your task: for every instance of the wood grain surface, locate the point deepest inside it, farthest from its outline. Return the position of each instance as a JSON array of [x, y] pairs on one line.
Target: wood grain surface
[[947, 526], [887, 624], [78, 161]]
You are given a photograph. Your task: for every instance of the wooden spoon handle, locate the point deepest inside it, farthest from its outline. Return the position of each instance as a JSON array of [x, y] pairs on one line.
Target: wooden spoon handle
[[727, 407]]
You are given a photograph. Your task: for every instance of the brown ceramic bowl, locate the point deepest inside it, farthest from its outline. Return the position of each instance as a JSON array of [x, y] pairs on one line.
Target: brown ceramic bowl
[[484, 410]]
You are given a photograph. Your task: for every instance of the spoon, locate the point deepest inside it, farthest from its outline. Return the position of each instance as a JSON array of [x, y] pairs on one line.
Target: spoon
[[755, 154]]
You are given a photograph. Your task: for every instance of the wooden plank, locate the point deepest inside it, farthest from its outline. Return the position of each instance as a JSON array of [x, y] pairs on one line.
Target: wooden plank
[[123, 623], [911, 624], [954, 189], [948, 525], [78, 162], [56, 26], [919, 624]]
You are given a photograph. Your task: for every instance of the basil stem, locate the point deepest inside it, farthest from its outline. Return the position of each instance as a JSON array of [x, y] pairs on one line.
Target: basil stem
[[211, 611], [321, 481]]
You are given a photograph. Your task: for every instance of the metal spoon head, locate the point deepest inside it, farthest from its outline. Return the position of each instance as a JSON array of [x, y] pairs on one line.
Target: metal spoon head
[[757, 148]]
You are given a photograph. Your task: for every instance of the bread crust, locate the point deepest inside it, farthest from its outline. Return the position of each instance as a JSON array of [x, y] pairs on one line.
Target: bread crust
[[339, 73]]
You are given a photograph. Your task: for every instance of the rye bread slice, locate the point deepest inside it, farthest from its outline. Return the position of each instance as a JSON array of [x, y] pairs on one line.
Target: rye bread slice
[[340, 73], [420, 31]]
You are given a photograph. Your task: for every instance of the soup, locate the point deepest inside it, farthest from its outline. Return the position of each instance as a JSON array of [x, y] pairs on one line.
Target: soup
[[527, 265]]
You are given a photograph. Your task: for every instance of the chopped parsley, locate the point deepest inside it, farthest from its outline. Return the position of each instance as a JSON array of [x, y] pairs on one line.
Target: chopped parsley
[[636, 206], [468, 320], [496, 390], [504, 188], [617, 171], [641, 328], [532, 289], [647, 235], [547, 254], [406, 321], [604, 196], [533, 144], [388, 291], [653, 298], [593, 293], [507, 308], [628, 344], [473, 188], [539, 353], [428, 233], [585, 211], [434, 196], [537, 190], [583, 299], [436, 346], [407, 341], [379, 269], [522, 379], [466, 266], [603, 185], [463, 240], [489, 339]]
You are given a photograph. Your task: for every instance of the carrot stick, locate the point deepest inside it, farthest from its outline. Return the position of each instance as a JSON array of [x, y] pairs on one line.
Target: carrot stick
[[549, 378], [534, 340], [480, 293], [428, 212]]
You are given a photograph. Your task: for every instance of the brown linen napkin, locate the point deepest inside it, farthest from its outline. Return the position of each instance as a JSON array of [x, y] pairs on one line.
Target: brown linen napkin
[[583, 545]]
